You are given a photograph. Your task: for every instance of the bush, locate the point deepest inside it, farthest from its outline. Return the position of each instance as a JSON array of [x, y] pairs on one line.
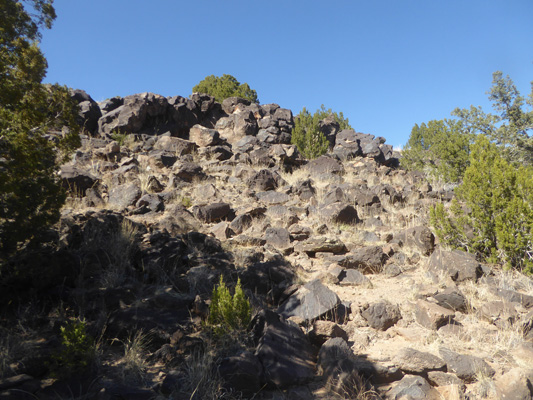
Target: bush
[[496, 216], [77, 350], [225, 86], [439, 148], [228, 312], [307, 136]]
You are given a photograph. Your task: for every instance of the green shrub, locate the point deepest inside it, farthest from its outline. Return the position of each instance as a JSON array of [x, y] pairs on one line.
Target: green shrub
[[439, 148], [307, 135], [227, 312], [225, 86], [496, 219], [77, 350]]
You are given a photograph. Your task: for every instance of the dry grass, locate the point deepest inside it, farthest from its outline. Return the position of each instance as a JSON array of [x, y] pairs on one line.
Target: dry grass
[[133, 363]]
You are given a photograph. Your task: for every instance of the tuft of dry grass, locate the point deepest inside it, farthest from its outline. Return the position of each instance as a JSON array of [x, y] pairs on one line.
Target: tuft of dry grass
[[133, 363]]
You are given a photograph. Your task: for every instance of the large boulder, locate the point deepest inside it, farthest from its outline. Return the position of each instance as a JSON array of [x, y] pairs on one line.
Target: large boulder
[[125, 195], [458, 265], [413, 387], [382, 315], [283, 349], [88, 111], [77, 180], [140, 113], [311, 301], [203, 136], [213, 212], [341, 213], [418, 237], [184, 114], [325, 165], [465, 366], [242, 372], [368, 259]]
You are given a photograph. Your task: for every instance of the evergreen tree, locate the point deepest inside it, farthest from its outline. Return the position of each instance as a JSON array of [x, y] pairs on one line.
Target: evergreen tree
[[439, 148], [306, 134], [510, 129], [225, 86], [30, 193], [496, 216]]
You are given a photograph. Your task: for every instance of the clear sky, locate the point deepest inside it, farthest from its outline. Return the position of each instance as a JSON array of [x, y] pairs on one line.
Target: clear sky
[[386, 64]]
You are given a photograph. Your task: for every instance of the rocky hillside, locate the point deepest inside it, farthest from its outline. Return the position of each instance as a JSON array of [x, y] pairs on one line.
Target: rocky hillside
[[352, 298]]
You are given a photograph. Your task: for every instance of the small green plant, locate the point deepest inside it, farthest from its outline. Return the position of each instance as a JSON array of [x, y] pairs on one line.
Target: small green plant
[[227, 312], [186, 201], [77, 349], [120, 138]]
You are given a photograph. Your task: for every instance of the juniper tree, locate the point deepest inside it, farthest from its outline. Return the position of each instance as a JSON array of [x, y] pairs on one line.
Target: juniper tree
[[225, 86], [30, 193], [493, 213], [511, 127], [306, 134], [439, 148]]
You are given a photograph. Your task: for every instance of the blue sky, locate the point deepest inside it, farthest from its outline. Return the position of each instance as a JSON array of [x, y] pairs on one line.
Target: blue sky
[[386, 64]]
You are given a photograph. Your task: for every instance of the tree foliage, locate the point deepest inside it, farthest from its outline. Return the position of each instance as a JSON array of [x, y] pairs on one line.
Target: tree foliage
[[511, 127], [308, 137], [225, 86], [439, 148], [493, 213], [30, 193]]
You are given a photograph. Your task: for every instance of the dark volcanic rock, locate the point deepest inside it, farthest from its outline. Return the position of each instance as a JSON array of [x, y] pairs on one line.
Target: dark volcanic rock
[[368, 259], [419, 237], [212, 212], [339, 365], [417, 362], [466, 367], [88, 111], [125, 195], [325, 165], [432, 316], [352, 277], [340, 213], [263, 180], [382, 315], [310, 302], [321, 244], [278, 237], [413, 388], [458, 265], [284, 351], [513, 296], [452, 299], [77, 180], [325, 330], [242, 373]]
